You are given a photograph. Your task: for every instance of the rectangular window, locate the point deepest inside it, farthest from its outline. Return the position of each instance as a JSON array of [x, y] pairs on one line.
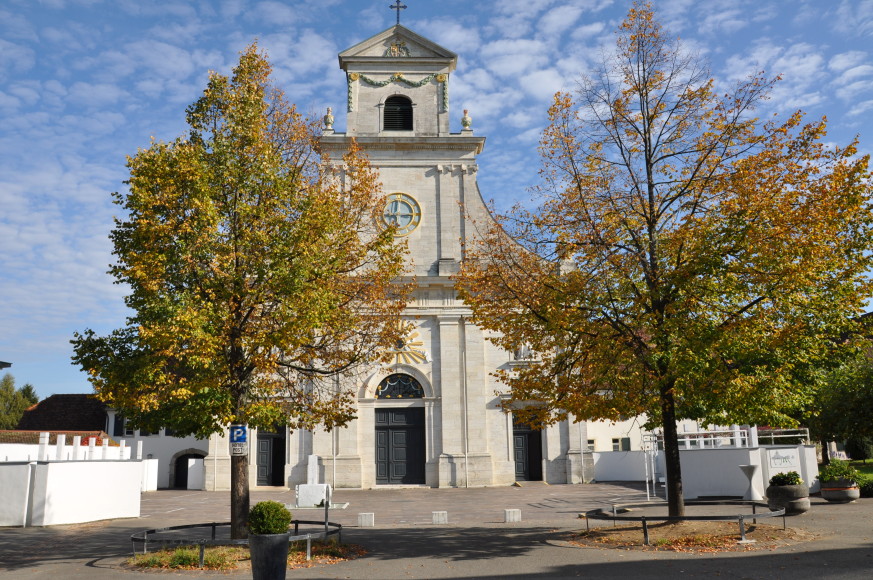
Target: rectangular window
[[118, 426], [590, 445], [621, 444]]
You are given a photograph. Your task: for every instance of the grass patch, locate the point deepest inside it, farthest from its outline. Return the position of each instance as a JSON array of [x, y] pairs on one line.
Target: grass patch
[[233, 557], [864, 467]]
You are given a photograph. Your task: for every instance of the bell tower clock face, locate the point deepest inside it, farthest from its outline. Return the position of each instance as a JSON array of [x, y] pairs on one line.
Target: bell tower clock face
[[402, 211]]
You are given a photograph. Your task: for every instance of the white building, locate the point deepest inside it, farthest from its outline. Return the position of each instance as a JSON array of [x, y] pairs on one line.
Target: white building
[[433, 418]]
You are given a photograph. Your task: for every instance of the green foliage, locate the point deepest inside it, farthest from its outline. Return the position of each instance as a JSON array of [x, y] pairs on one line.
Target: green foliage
[[185, 557], [842, 409], [14, 402], [790, 478], [860, 447], [153, 560], [838, 469], [866, 485], [269, 517]]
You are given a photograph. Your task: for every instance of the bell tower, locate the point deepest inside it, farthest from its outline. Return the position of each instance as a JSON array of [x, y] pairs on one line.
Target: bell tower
[[398, 112]]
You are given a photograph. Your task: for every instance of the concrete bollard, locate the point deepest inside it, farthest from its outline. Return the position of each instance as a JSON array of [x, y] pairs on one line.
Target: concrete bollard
[[511, 516], [366, 520], [440, 517]]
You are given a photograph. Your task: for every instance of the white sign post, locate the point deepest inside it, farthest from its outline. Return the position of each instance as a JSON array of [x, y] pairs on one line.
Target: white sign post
[[238, 440]]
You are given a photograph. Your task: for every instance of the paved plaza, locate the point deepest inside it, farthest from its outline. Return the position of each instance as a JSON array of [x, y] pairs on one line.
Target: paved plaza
[[474, 544]]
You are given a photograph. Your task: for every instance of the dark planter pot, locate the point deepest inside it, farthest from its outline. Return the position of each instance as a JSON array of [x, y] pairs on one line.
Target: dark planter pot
[[794, 498], [840, 490], [269, 556]]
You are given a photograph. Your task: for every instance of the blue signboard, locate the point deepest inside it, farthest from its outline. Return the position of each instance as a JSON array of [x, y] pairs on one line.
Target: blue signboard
[[238, 441], [237, 433]]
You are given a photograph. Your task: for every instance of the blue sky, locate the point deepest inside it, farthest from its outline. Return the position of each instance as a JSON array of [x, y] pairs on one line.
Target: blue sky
[[83, 83]]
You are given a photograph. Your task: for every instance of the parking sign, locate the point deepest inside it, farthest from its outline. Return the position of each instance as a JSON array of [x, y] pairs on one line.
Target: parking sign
[[238, 440]]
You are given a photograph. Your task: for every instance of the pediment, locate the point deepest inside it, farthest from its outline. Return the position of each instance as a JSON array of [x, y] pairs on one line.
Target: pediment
[[397, 43]]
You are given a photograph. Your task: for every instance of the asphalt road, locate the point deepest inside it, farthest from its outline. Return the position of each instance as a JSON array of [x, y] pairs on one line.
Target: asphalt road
[[474, 544]]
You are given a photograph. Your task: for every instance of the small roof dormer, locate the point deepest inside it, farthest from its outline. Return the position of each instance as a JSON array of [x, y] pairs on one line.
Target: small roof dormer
[[407, 72]]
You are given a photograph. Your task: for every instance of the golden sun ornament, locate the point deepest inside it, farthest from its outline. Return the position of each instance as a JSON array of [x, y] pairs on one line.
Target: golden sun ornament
[[408, 350]]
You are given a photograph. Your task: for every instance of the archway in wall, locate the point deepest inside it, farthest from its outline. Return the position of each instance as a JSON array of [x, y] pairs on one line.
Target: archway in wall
[[178, 475], [400, 441]]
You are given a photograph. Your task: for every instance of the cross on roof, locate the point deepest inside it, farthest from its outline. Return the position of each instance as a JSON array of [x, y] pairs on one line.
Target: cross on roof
[[398, 7]]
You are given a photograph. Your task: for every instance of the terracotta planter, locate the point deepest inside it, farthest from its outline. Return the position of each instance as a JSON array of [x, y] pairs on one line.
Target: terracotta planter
[[269, 556], [840, 490], [794, 498]]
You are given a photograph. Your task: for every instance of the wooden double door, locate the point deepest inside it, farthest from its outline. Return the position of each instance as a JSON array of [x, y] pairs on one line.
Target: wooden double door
[[271, 458], [400, 446], [528, 453]]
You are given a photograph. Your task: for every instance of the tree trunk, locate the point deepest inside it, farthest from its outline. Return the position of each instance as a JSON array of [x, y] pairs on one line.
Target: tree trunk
[[825, 452], [675, 499], [239, 496]]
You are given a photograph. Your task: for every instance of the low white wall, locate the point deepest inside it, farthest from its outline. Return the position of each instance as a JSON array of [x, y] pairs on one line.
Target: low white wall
[[196, 474], [68, 492], [15, 485], [149, 474], [716, 472], [784, 458], [620, 466]]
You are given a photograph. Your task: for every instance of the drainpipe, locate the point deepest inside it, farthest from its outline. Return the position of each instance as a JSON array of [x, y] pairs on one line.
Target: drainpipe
[[465, 402], [333, 436]]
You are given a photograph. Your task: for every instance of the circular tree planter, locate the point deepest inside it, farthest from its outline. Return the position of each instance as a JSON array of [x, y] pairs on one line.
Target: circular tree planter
[[840, 490], [269, 555], [794, 498]]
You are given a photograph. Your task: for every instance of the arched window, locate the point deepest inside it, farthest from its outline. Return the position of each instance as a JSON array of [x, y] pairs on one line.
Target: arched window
[[398, 114], [398, 386]]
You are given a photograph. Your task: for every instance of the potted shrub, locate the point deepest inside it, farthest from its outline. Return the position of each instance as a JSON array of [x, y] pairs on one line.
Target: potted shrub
[[788, 491], [839, 482], [268, 540]]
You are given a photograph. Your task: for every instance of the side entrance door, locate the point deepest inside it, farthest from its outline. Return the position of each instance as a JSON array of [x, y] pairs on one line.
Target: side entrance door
[[400, 446], [528, 453], [271, 458]]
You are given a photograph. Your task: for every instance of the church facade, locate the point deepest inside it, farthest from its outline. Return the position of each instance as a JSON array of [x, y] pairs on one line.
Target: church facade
[[433, 416]]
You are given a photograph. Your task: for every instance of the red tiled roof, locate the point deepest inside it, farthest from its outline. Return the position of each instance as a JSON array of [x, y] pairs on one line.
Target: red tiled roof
[[71, 412]]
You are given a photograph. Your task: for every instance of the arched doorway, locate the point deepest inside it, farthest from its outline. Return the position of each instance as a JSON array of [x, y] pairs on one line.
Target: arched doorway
[[400, 442], [184, 471]]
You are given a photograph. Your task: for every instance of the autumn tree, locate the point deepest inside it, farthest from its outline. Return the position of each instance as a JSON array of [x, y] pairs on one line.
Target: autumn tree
[[683, 259], [259, 278], [14, 401]]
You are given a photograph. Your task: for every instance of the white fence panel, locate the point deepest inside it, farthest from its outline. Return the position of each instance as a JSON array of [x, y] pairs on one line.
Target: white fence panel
[[15, 484], [620, 466]]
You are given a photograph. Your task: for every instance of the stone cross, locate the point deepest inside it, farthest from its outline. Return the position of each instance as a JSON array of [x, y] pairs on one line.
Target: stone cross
[[398, 7]]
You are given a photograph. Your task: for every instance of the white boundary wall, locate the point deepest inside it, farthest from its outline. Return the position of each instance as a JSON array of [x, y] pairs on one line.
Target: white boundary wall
[[714, 471], [620, 466], [49, 493]]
